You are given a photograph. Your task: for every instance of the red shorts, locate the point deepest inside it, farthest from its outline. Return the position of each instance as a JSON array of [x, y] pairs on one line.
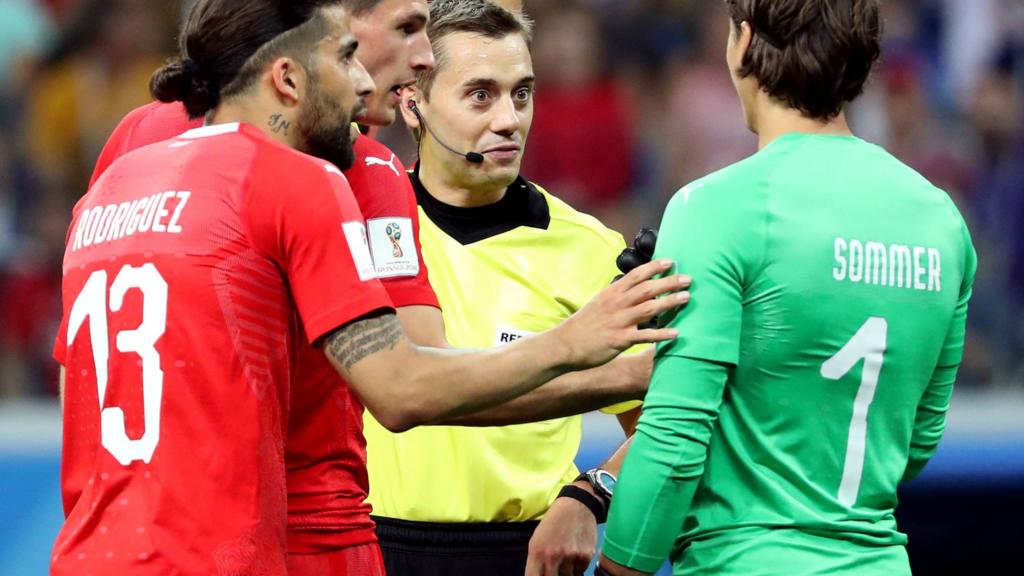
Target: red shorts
[[362, 560]]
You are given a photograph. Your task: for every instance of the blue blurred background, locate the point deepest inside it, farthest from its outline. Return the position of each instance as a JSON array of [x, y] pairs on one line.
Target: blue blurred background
[[633, 101]]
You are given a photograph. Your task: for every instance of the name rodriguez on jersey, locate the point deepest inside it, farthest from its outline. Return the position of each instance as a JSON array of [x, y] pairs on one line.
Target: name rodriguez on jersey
[[891, 265], [158, 213]]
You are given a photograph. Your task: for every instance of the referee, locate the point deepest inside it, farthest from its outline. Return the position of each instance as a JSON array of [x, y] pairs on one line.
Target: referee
[[507, 260]]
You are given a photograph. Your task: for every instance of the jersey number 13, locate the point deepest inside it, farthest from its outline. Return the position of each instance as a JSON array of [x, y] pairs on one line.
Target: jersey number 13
[[92, 304]]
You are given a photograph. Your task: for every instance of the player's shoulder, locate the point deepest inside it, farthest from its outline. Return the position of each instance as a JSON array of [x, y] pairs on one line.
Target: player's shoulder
[[375, 164], [241, 146], [902, 176], [140, 114], [587, 227], [726, 189], [154, 122], [366, 146]]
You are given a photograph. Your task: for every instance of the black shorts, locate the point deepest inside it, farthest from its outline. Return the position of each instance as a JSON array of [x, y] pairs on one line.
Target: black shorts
[[433, 549]]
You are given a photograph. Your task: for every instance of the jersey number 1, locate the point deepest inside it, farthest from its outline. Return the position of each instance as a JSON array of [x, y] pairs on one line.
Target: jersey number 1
[[867, 344], [92, 304]]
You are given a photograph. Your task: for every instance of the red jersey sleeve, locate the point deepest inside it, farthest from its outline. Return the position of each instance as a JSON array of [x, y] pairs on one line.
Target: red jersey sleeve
[[312, 228], [388, 203]]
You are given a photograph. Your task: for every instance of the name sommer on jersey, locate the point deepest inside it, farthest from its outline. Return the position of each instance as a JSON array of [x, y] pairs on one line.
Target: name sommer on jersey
[[157, 213], [891, 265]]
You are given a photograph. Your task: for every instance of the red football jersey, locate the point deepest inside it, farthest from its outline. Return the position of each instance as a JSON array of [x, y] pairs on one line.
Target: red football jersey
[[326, 451], [193, 269], [327, 480]]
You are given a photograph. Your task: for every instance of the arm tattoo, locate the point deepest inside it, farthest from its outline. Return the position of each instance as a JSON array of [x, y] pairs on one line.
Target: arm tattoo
[[354, 342]]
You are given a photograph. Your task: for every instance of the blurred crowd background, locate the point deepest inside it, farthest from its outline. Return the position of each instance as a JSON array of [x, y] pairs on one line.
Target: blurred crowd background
[[633, 101]]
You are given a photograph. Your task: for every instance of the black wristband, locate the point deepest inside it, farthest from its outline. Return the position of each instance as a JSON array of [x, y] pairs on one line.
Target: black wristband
[[592, 502]]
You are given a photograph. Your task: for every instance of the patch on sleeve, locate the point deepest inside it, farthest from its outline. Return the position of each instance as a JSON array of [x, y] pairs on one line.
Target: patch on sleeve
[[355, 235], [393, 247]]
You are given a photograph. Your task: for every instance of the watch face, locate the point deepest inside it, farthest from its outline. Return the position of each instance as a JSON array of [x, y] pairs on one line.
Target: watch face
[[606, 480]]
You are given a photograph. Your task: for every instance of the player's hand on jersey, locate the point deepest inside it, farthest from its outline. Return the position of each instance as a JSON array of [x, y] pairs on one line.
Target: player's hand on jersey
[[564, 542], [608, 324]]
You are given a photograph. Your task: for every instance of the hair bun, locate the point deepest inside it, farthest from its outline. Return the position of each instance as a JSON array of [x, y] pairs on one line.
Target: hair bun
[[183, 80]]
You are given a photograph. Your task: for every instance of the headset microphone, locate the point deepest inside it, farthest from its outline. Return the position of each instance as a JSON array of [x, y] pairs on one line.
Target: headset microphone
[[474, 157]]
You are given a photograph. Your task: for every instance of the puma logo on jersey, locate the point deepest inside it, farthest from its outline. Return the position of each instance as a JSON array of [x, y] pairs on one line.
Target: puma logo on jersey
[[373, 161]]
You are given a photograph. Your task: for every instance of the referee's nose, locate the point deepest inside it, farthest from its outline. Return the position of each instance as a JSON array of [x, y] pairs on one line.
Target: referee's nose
[[507, 117]]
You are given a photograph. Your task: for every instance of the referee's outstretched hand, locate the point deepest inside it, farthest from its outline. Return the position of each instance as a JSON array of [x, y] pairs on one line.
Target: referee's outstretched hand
[[608, 324]]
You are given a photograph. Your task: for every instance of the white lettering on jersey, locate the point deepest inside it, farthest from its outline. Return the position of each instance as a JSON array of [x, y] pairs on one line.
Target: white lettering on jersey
[[355, 237], [506, 335], [110, 222], [393, 247], [173, 227], [372, 161], [892, 265]]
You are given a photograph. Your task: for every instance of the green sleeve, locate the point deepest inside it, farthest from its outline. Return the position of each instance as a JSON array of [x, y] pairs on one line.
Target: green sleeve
[[665, 462], [711, 231], [930, 421], [714, 232]]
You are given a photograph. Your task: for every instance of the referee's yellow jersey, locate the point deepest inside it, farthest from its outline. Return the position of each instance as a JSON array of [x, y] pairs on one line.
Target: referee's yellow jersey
[[501, 272]]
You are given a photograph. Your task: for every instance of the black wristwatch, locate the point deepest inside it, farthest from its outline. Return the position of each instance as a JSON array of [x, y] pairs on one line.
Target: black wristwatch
[[603, 484], [602, 481]]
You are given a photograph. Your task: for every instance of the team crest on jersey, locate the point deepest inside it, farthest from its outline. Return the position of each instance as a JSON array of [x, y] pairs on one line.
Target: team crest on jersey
[[393, 247], [355, 235]]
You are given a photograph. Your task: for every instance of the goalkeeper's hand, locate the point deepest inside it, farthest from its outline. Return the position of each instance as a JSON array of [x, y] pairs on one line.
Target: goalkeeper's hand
[[638, 254]]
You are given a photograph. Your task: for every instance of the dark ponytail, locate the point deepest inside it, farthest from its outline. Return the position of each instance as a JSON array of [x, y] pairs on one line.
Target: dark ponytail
[[183, 81]]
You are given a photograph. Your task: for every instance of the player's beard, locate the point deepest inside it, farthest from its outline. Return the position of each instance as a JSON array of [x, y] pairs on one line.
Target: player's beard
[[326, 129]]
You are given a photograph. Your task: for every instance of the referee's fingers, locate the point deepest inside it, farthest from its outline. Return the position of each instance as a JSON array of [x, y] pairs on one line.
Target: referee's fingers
[[653, 288], [640, 313], [654, 335], [644, 272]]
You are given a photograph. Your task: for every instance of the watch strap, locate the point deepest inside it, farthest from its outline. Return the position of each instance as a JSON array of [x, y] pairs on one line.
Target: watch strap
[[593, 503]]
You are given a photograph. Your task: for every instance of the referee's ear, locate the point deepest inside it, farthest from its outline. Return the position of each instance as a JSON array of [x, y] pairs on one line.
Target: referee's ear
[[410, 99]]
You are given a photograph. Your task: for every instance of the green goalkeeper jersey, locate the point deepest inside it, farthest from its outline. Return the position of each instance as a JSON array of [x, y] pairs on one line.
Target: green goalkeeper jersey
[[813, 369]]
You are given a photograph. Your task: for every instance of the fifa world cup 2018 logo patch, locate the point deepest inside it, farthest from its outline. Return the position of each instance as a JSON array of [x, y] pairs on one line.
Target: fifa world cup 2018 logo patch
[[394, 232]]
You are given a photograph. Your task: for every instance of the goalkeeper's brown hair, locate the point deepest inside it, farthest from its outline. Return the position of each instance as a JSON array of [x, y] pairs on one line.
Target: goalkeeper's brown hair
[[812, 55]]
